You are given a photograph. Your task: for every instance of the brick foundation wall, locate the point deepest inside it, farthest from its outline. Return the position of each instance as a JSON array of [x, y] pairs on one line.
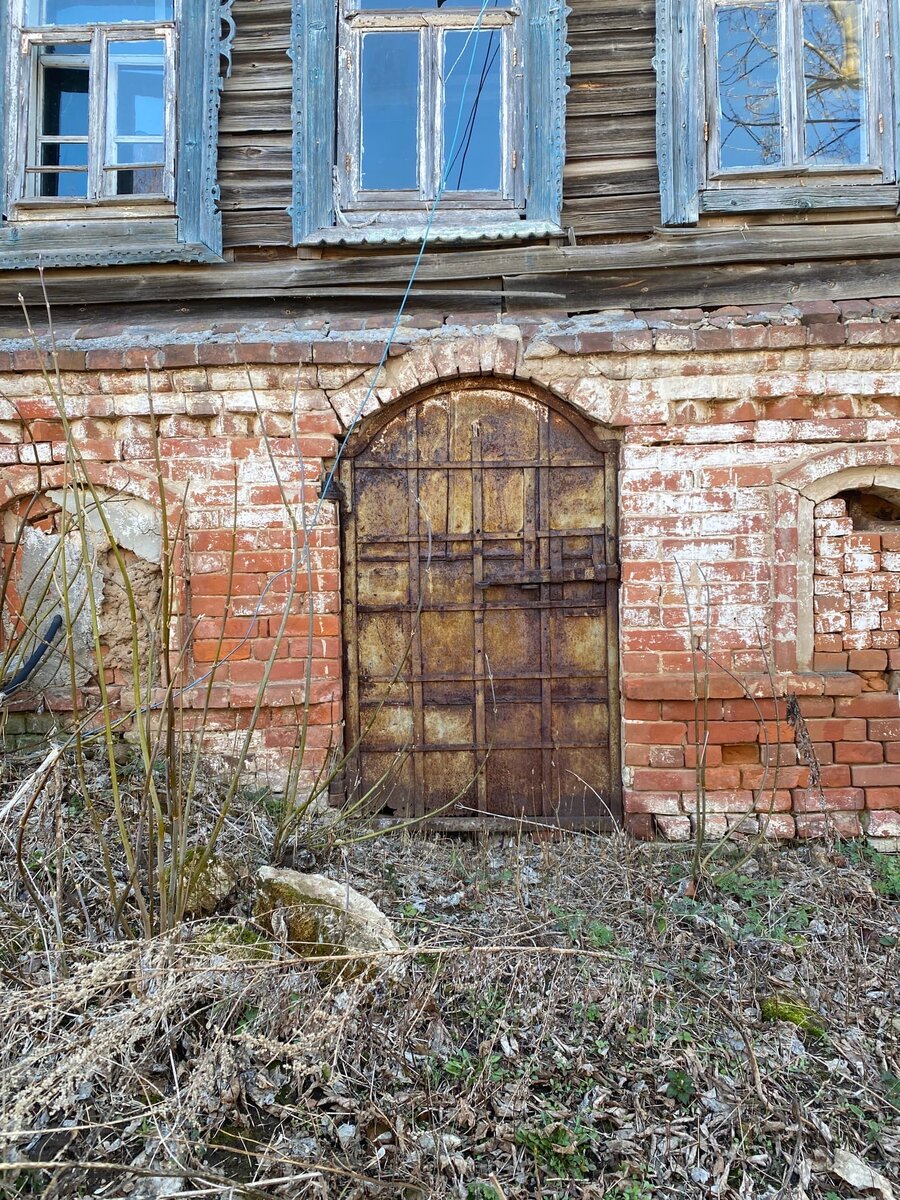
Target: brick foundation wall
[[738, 429]]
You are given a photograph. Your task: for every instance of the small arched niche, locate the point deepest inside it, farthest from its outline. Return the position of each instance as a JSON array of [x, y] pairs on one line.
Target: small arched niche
[[872, 510], [64, 553], [856, 584]]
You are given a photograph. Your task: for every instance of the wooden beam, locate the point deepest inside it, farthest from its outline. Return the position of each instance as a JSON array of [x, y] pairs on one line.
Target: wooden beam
[[768, 252]]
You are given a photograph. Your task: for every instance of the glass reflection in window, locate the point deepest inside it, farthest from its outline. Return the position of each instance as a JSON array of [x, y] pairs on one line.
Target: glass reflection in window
[[389, 99], [62, 133], [97, 12], [832, 73], [472, 112], [749, 103], [136, 116]]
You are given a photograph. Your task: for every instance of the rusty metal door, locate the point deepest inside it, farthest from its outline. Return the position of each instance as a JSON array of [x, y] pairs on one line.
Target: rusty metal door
[[480, 610]]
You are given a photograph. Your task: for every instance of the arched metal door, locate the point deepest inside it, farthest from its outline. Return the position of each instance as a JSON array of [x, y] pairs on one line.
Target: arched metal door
[[480, 610]]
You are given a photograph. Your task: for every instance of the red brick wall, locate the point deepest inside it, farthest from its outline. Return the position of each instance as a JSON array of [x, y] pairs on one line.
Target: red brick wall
[[214, 456], [737, 430]]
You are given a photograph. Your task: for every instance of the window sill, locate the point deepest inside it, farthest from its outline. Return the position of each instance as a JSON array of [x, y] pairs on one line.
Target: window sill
[[28, 245], [775, 198], [107, 210], [412, 234]]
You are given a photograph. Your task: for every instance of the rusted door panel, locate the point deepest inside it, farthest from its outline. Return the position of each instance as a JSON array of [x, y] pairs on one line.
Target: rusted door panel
[[449, 780], [387, 780], [480, 564], [514, 783], [449, 580], [387, 494]]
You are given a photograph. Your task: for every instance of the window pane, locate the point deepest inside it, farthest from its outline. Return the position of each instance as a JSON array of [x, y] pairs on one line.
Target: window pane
[[389, 111], [107, 12], [65, 76], [148, 181], [137, 89], [430, 5], [64, 154], [136, 120], [832, 60], [749, 106], [473, 71], [63, 183]]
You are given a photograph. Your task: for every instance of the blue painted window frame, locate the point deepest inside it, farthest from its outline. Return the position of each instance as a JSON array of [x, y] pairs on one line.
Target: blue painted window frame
[[314, 113], [204, 32], [681, 104]]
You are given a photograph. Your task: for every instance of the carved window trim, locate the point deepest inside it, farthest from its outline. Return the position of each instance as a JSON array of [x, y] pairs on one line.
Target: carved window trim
[[34, 234], [685, 122], [320, 210]]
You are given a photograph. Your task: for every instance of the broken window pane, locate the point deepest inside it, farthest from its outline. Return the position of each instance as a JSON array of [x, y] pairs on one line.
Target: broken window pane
[[98, 12], [472, 110], [832, 61], [389, 97], [145, 181], [749, 104], [64, 75], [367, 5], [136, 121]]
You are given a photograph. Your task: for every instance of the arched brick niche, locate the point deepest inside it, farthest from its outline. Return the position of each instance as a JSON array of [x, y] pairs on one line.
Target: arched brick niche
[[64, 547], [808, 500], [856, 585]]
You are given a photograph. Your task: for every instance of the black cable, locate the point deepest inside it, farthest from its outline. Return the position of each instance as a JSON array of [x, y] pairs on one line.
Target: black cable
[[35, 657], [490, 55]]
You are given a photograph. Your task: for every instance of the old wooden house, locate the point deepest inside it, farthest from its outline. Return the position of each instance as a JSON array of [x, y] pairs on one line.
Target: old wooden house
[[573, 331]]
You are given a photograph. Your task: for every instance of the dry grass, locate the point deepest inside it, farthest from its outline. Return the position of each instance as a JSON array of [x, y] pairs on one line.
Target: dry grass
[[567, 1022]]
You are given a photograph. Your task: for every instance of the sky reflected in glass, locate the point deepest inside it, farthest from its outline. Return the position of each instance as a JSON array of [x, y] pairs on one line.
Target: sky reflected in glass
[[100, 12], [389, 94], [832, 72], [749, 105], [472, 110]]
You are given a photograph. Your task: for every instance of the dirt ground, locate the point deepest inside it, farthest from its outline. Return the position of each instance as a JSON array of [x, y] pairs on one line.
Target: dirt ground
[[567, 1020]]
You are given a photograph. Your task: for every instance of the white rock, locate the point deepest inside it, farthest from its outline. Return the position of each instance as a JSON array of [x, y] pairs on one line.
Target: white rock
[[319, 916]]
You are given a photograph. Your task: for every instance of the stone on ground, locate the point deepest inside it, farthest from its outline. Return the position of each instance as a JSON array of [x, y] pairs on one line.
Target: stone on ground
[[317, 916]]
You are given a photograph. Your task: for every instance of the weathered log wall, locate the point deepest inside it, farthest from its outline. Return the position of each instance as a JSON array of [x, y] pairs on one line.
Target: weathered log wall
[[615, 254]]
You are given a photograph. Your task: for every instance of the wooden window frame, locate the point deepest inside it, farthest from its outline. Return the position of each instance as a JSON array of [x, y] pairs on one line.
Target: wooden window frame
[[690, 182], [384, 206], [100, 201], [328, 206], [182, 223]]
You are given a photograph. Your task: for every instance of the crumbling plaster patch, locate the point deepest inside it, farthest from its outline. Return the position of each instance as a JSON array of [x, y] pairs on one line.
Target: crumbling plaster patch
[[75, 573]]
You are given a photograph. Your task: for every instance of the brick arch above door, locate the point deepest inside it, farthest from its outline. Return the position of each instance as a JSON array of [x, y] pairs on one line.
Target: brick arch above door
[[480, 608]]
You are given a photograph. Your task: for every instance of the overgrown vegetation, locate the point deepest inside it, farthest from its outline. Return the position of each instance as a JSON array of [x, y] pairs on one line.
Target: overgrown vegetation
[[91, 623], [566, 1022]]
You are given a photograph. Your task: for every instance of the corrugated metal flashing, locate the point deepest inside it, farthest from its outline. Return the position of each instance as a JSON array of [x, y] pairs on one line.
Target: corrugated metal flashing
[[389, 235]]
